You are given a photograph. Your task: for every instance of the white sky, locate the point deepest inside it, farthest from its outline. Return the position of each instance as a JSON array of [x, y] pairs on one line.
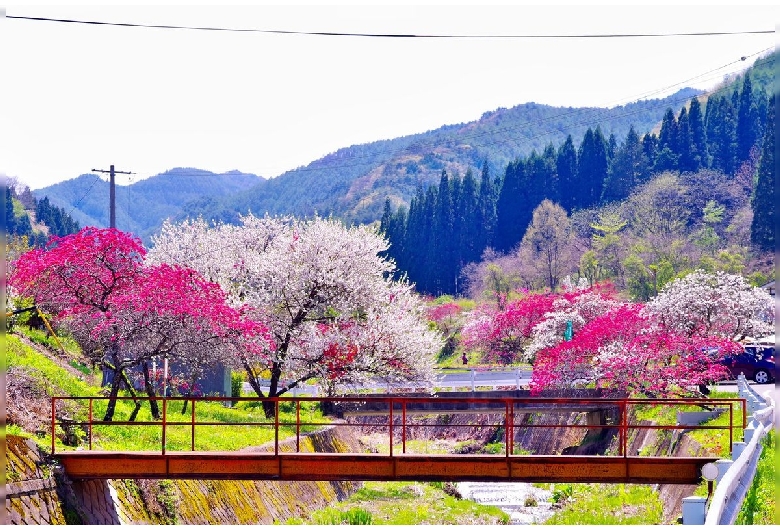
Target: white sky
[[76, 97]]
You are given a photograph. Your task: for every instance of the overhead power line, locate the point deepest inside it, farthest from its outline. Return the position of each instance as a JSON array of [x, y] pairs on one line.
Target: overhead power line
[[395, 35]]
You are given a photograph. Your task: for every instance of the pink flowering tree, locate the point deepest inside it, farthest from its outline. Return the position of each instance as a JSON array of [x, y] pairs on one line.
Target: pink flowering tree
[[124, 313], [572, 309], [447, 318], [503, 335], [325, 293], [624, 351]]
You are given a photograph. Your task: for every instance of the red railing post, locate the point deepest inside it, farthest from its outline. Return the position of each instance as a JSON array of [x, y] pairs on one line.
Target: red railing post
[[276, 426], [53, 422], [90, 423], [192, 445], [403, 427], [298, 426], [164, 421], [623, 428], [506, 429], [391, 426], [512, 427], [731, 427]]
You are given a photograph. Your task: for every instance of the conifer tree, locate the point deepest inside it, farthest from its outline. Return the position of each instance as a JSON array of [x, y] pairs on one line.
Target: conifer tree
[[468, 218], [10, 218], [551, 186], [764, 226], [650, 148], [566, 165], [592, 164], [509, 207], [486, 222], [627, 170], [668, 144], [699, 155], [723, 142], [441, 239], [746, 122], [685, 148]]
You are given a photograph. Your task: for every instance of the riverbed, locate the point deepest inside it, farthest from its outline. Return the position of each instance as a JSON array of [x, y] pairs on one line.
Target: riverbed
[[525, 503]]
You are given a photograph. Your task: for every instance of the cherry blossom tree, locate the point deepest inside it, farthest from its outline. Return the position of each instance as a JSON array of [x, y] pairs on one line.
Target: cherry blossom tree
[[323, 290], [719, 304], [123, 313]]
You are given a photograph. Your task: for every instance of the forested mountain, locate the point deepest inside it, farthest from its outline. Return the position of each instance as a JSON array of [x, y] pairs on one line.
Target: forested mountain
[[726, 144], [353, 183], [580, 157], [142, 206], [25, 216]]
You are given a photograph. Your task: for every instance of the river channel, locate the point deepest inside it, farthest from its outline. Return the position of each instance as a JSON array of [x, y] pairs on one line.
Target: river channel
[[525, 503]]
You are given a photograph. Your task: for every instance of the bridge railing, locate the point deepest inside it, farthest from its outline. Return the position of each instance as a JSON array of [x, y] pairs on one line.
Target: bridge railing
[[288, 418]]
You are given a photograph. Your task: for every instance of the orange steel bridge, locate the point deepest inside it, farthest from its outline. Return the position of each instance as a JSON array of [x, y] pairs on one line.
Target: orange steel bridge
[[182, 454]]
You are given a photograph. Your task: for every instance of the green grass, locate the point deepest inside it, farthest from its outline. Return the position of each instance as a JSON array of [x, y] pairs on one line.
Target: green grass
[[715, 442], [407, 503], [54, 378], [760, 505], [608, 504], [56, 381]]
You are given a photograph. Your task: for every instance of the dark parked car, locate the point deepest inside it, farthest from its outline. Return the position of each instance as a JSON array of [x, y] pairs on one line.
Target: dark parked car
[[756, 362]]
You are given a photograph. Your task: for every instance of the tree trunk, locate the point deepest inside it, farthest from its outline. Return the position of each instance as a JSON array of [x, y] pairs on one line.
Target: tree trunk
[[115, 382], [155, 409], [130, 388]]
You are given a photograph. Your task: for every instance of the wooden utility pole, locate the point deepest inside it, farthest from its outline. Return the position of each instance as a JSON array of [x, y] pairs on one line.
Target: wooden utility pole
[[112, 193]]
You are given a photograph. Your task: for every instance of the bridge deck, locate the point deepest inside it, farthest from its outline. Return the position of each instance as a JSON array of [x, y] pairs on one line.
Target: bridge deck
[[358, 466]]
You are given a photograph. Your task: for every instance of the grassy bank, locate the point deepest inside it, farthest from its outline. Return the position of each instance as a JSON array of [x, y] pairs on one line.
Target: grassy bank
[[760, 506], [48, 378], [406, 503]]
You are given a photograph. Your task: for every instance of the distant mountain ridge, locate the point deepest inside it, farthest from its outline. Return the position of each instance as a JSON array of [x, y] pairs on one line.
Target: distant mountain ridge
[[142, 206], [353, 182]]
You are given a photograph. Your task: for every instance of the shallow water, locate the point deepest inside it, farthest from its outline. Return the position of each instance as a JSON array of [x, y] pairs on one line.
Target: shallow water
[[511, 498]]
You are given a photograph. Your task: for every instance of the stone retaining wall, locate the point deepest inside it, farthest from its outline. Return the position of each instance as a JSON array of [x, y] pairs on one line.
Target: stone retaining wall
[[31, 495], [35, 495]]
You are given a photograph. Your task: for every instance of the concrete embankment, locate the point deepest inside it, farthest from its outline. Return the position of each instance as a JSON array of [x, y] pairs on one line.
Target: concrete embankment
[[37, 493]]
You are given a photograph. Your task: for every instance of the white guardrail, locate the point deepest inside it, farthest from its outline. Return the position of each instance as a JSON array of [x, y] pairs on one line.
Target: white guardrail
[[735, 477]]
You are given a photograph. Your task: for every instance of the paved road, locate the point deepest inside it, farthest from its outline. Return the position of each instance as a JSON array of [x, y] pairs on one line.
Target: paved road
[[510, 378], [450, 379]]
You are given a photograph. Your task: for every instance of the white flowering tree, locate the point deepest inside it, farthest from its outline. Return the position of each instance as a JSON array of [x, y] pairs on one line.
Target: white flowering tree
[[322, 289], [703, 303]]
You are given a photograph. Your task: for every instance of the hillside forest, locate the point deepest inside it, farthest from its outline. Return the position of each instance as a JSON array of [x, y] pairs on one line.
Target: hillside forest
[[696, 194], [638, 209]]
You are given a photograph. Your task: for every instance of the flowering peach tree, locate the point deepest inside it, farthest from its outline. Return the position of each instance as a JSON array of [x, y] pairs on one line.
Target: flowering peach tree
[[124, 312], [588, 336], [624, 351], [325, 293]]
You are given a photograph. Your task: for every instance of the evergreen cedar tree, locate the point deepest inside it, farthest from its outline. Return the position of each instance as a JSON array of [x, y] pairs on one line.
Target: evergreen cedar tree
[[442, 230]]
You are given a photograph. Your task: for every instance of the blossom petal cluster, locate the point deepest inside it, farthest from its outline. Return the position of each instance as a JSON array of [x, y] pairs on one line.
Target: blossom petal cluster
[[324, 291]]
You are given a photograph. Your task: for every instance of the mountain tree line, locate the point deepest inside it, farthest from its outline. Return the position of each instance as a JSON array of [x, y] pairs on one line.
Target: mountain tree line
[[450, 225], [17, 219]]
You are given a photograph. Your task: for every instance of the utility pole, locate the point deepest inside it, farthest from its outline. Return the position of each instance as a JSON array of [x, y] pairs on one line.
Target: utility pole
[[112, 193]]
